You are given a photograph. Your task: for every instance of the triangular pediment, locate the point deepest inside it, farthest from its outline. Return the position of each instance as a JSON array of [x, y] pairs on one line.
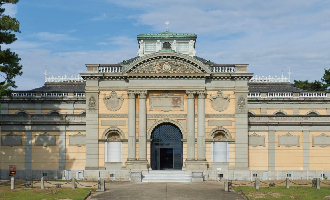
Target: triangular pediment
[[166, 63]]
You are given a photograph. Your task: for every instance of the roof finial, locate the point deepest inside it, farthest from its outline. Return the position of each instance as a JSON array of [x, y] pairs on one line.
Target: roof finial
[[167, 23], [289, 73]]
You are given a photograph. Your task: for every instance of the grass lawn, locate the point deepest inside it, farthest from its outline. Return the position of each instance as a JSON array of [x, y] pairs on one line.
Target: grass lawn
[[37, 193], [281, 192]]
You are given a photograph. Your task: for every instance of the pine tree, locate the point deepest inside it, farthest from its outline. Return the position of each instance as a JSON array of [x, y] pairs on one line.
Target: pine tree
[[9, 61]]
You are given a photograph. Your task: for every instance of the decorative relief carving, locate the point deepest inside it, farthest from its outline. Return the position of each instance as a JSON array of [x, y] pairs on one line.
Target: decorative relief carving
[[321, 140], [241, 103], [219, 102], [219, 136], [219, 115], [217, 132], [131, 94], [256, 140], [166, 67], [190, 94], [111, 130], [166, 102], [113, 102], [91, 102], [288, 140], [11, 139], [201, 94], [166, 115], [142, 94], [45, 140], [113, 115], [77, 139]]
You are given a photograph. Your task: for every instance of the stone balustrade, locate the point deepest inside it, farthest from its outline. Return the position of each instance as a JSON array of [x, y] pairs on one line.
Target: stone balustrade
[[254, 94], [313, 94], [280, 94], [223, 69], [110, 69]]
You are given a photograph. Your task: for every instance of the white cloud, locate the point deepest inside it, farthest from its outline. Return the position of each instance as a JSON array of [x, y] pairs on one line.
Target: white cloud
[[99, 18], [123, 41], [102, 43], [10, 9], [34, 63], [54, 37]]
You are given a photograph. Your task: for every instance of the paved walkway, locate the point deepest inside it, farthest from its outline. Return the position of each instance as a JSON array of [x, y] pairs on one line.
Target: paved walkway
[[136, 191]]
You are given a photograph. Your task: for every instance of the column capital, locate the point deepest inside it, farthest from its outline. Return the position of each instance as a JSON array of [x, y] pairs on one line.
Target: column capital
[[142, 94], [190, 94], [201, 94], [131, 94]]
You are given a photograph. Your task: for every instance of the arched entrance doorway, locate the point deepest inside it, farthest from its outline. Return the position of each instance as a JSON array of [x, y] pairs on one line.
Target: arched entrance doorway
[[166, 147]]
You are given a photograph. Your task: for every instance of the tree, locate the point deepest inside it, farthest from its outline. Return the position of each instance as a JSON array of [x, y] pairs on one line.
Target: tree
[[315, 85], [9, 61]]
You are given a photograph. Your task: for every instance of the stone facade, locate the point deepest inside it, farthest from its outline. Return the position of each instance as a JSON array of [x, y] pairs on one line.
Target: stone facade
[[229, 123]]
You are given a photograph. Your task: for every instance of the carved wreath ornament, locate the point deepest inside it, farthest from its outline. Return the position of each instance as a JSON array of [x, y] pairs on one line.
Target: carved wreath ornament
[[113, 102], [219, 102]]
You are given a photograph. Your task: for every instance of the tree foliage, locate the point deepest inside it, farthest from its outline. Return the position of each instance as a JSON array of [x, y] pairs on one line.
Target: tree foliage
[[9, 61], [315, 85]]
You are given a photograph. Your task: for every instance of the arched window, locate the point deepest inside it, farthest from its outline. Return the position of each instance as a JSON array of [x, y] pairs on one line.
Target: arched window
[[312, 112], [280, 112], [21, 112], [219, 136], [54, 112], [113, 147]]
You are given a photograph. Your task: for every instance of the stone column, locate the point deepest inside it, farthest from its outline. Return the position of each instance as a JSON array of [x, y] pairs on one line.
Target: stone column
[[42, 184], [142, 126], [201, 126], [131, 126], [190, 125]]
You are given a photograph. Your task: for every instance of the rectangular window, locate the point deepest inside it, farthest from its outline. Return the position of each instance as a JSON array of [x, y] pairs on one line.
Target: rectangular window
[[255, 175], [219, 152], [288, 175], [182, 47], [44, 174], [150, 47], [113, 151]]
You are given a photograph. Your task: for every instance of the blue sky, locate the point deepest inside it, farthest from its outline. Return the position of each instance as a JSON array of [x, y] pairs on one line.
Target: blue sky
[[62, 36]]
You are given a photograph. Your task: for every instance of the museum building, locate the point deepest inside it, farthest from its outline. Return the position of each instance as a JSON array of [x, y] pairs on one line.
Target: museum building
[[166, 109]]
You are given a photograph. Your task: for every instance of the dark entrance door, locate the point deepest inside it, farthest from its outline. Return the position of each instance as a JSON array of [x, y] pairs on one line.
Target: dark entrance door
[[166, 147]]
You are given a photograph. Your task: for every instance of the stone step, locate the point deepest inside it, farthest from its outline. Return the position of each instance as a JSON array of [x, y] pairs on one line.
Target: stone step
[[166, 176]]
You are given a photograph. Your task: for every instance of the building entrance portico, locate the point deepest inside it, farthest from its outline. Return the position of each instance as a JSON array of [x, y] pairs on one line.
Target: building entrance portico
[[166, 147]]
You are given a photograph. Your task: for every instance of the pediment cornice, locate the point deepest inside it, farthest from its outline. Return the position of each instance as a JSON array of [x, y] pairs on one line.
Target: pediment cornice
[[166, 63]]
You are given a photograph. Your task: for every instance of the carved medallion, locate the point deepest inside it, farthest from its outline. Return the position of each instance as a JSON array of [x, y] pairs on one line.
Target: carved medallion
[[91, 102], [113, 102], [166, 67], [219, 102], [241, 102]]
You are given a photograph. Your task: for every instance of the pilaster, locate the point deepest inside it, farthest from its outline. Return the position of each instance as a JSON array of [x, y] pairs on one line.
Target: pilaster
[[142, 126], [92, 144], [271, 150], [28, 150], [61, 151], [305, 150], [241, 128], [131, 126], [190, 125], [201, 126]]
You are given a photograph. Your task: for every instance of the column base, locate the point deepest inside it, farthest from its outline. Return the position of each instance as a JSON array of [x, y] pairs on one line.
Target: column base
[[196, 165], [137, 164]]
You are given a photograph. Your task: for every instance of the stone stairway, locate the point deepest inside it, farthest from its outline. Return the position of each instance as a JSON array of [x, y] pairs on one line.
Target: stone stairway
[[166, 176]]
